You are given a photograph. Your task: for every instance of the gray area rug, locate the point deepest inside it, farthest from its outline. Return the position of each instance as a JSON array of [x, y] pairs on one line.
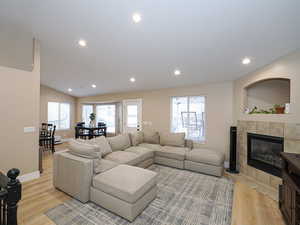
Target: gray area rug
[[184, 198]]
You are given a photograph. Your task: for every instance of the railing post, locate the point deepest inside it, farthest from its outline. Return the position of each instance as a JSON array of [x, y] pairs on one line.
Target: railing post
[[14, 188], [3, 195]]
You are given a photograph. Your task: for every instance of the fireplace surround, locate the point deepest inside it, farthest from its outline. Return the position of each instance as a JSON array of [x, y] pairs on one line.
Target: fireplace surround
[[263, 152], [261, 180]]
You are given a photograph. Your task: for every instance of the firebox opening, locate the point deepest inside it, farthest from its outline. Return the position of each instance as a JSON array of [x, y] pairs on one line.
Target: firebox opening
[[264, 153]]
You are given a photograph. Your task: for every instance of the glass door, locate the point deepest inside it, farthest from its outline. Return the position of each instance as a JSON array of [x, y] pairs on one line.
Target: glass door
[[132, 115]]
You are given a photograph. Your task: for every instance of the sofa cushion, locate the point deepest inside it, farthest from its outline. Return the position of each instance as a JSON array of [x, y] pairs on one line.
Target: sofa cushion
[[154, 147], [85, 150], [136, 138], [206, 156], [145, 153], [171, 152], [103, 144], [151, 137], [172, 139], [125, 182], [123, 157], [105, 165], [120, 142]]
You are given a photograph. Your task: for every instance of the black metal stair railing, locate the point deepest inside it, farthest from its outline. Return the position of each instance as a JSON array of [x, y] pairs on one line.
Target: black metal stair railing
[[3, 195], [10, 195]]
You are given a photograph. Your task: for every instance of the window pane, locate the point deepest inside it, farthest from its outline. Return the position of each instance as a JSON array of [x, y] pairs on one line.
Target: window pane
[[179, 106], [188, 114], [86, 112], [53, 113], [107, 114], [59, 115], [196, 129], [132, 115], [64, 116]]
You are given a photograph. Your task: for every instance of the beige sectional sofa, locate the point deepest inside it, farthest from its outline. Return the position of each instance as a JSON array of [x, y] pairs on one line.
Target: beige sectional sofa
[[89, 169]]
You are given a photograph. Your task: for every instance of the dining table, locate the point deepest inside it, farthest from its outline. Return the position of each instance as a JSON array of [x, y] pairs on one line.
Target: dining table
[[90, 131]]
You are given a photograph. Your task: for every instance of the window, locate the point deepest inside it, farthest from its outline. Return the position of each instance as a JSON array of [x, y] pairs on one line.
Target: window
[[59, 115], [132, 116], [188, 115], [107, 113], [86, 112]]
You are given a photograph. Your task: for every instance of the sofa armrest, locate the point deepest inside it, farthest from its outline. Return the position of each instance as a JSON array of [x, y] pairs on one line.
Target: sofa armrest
[[73, 175]]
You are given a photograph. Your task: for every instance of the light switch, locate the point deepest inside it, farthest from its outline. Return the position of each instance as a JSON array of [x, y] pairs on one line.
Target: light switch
[[29, 129]]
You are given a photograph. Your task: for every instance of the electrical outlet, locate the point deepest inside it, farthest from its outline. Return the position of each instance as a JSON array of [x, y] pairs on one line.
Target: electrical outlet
[[29, 129]]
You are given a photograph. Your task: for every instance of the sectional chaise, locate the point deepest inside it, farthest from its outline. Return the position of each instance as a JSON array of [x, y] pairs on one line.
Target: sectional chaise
[[110, 171]]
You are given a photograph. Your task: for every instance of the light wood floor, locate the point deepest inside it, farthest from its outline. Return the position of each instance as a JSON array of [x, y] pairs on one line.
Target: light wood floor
[[249, 208]]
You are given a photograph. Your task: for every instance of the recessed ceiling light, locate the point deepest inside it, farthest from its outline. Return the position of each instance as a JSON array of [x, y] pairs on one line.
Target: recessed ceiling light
[[94, 85], [177, 72], [246, 61], [132, 79], [70, 89], [82, 43], [136, 17]]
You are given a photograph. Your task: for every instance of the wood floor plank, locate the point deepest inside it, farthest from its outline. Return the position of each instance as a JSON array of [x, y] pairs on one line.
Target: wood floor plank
[[252, 207]]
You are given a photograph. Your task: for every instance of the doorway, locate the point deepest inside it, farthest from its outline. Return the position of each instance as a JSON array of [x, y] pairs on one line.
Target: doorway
[[132, 115]]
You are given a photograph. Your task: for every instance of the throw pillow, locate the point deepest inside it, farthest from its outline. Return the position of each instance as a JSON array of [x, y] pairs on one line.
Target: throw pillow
[[103, 145], [85, 150]]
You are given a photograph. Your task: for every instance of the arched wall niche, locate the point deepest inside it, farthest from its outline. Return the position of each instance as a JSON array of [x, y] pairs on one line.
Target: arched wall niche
[[266, 93]]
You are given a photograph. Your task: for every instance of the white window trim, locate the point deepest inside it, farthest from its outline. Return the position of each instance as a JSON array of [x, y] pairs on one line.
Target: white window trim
[[205, 114], [124, 116], [59, 103]]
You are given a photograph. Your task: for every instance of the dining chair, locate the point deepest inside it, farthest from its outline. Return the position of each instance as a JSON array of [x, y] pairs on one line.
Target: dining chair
[[47, 137], [83, 133], [101, 131], [80, 124]]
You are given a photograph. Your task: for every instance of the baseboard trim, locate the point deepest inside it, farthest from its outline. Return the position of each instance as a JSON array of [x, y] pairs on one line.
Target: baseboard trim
[[29, 176]]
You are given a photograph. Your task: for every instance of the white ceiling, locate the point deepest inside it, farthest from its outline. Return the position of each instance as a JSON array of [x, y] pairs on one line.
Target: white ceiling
[[205, 39]]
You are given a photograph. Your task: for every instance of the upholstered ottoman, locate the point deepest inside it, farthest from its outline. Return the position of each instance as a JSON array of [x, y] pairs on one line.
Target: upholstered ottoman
[[124, 190], [205, 161]]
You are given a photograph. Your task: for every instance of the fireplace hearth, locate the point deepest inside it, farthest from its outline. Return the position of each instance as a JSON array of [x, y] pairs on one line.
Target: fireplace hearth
[[264, 153]]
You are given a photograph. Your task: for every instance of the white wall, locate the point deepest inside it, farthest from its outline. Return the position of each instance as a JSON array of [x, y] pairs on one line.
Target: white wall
[[285, 67], [20, 92], [16, 46], [267, 93]]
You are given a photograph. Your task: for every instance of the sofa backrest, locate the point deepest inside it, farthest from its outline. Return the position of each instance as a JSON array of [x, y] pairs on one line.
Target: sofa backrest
[[172, 139], [136, 138], [152, 137]]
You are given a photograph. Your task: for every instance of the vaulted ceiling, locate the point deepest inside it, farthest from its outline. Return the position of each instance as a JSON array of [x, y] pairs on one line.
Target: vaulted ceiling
[[205, 39]]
